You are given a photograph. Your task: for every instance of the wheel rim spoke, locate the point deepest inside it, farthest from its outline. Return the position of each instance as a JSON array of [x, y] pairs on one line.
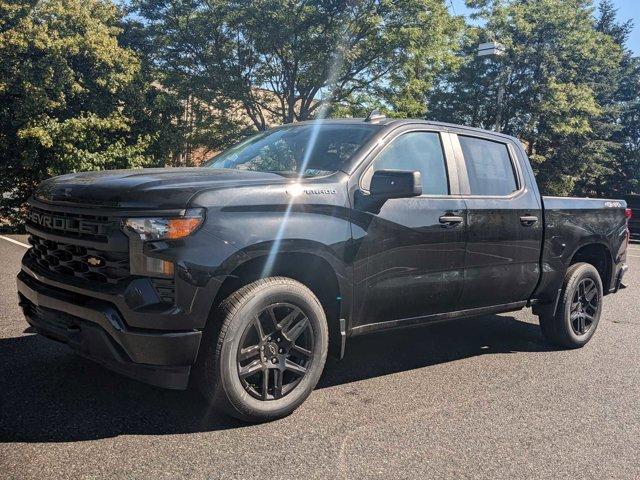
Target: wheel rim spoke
[[286, 321], [294, 367], [250, 369], [265, 383], [272, 317], [277, 388], [575, 306], [249, 352], [294, 332], [303, 351], [258, 326]]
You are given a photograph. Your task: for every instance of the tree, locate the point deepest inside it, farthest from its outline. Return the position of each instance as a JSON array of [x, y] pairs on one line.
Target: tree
[[620, 125], [557, 73], [278, 61], [68, 91], [185, 129], [625, 175]]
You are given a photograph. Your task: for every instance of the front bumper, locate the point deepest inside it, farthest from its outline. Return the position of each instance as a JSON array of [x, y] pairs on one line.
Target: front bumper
[[95, 329]]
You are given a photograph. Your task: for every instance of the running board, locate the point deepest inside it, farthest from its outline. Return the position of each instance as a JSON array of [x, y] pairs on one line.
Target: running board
[[436, 318]]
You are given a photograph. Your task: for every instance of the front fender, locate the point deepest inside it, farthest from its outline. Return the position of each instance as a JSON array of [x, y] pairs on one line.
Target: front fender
[[239, 229]]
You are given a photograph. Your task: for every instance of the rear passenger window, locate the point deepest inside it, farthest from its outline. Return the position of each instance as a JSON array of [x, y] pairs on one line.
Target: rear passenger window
[[489, 166]]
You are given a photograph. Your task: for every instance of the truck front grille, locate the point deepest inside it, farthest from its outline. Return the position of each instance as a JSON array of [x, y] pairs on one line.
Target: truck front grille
[[80, 262], [73, 225]]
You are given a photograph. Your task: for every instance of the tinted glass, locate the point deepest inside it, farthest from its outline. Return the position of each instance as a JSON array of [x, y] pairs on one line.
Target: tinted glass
[[421, 151], [489, 166], [308, 150]]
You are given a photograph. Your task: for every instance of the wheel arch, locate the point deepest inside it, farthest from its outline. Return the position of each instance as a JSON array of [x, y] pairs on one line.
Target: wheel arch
[[599, 255], [593, 252], [310, 269]]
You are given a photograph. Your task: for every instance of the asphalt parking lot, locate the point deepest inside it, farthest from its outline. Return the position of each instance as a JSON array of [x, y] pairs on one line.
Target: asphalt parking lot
[[476, 398]]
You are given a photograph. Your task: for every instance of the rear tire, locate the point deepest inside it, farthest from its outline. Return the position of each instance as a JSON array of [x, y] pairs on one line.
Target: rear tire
[[578, 310], [264, 351]]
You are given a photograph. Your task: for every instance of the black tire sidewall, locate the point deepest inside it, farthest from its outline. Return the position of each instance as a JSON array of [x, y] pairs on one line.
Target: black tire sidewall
[[238, 398], [582, 272]]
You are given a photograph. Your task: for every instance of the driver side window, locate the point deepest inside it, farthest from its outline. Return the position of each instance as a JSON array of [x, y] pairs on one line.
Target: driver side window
[[421, 151]]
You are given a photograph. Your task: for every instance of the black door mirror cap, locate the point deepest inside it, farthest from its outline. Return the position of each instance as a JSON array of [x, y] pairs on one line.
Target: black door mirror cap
[[389, 184]]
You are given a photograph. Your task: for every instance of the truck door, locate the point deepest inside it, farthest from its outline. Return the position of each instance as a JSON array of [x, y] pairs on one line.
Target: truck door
[[504, 222], [409, 259]]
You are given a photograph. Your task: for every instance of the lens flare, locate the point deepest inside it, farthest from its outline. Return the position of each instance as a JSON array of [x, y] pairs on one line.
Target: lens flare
[[332, 78]]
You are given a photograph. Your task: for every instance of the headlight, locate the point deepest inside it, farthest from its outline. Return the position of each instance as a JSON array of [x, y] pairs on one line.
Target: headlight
[[166, 228]]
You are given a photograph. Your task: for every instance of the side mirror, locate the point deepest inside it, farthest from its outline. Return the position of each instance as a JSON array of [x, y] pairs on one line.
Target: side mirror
[[387, 184]]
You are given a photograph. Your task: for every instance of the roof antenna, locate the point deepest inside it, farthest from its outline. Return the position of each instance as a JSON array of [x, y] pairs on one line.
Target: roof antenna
[[375, 116]]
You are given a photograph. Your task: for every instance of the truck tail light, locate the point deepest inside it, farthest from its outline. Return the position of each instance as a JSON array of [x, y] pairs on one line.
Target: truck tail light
[[628, 213]]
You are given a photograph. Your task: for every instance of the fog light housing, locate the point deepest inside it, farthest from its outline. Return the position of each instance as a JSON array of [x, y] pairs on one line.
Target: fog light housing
[[156, 267]]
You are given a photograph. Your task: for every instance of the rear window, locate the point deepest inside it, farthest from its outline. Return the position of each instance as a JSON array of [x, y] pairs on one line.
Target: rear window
[[489, 166]]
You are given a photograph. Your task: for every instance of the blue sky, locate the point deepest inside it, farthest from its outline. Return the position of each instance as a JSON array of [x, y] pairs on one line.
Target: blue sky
[[627, 10]]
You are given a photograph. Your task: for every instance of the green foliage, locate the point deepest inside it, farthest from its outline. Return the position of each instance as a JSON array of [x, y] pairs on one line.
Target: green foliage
[[618, 129], [82, 88], [69, 95], [279, 61], [559, 78]]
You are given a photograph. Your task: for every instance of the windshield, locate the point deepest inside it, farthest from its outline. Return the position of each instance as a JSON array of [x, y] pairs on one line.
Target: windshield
[[308, 150]]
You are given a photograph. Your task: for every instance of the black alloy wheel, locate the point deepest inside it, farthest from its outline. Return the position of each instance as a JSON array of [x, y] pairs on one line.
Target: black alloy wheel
[[263, 350], [573, 320], [275, 351], [584, 306]]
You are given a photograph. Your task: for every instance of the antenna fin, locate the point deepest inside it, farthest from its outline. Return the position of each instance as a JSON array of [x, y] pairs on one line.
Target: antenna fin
[[375, 116]]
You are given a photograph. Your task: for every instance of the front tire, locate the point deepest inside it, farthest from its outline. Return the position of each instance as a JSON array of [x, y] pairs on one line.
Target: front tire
[[579, 308], [267, 353]]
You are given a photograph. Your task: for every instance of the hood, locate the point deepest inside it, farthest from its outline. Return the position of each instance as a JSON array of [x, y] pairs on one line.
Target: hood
[[145, 188]]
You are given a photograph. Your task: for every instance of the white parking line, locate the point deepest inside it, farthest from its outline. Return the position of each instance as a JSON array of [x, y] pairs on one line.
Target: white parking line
[[15, 241]]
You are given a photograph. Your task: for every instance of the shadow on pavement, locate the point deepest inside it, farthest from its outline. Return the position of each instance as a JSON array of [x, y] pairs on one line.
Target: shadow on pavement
[[48, 394], [390, 352]]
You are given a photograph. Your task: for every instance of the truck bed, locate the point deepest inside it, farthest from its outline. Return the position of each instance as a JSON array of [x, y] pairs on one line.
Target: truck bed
[[572, 223]]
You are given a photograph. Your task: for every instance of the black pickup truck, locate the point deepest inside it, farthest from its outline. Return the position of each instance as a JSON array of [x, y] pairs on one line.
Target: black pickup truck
[[243, 274]]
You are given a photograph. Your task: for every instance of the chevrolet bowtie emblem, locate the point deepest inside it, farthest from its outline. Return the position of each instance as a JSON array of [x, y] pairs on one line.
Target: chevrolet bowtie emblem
[[95, 261]]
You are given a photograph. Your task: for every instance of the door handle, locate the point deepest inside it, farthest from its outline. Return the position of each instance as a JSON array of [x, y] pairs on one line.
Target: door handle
[[450, 220], [528, 220]]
